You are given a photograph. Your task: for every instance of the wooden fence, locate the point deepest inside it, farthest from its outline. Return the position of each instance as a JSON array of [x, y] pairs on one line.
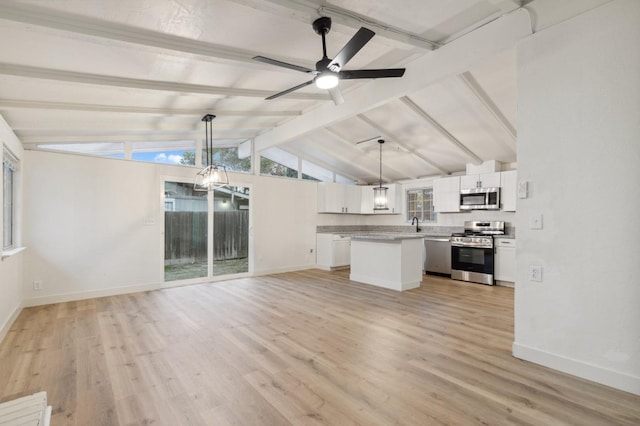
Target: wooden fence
[[185, 236]]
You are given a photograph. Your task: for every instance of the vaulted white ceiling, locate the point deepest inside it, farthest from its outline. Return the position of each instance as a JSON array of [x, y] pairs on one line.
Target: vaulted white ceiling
[[142, 70]]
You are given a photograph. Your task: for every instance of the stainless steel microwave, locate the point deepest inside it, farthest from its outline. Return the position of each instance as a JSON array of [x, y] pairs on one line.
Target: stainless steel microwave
[[480, 199]]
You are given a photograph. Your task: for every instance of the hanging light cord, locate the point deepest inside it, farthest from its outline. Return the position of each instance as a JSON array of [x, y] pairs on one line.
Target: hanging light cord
[[208, 137], [380, 181]]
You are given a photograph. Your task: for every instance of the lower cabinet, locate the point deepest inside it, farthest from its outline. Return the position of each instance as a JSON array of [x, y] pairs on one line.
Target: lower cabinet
[[332, 251], [505, 260]]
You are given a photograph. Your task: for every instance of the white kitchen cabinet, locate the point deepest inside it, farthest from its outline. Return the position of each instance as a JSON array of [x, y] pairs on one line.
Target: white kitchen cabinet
[[332, 251], [505, 259], [508, 190], [484, 180], [446, 194], [338, 198], [394, 199]]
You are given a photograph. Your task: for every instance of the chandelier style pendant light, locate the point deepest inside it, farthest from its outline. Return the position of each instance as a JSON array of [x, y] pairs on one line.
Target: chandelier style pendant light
[[214, 175], [380, 192]]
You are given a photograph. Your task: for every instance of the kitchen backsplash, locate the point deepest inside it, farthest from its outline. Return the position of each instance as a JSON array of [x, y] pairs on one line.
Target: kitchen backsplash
[[424, 229]]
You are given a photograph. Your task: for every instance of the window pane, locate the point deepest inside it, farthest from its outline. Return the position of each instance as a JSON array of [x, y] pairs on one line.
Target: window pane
[[186, 230], [7, 206], [312, 171], [420, 204], [165, 152], [342, 179], [278, 162], [268, 167], [228, 157]]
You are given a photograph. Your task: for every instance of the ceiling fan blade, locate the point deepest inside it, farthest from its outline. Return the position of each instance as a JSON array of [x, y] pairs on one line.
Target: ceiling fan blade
[[382, 73], [350, 49], [367, 140], [336, 95], [299, 86], [282, 64]]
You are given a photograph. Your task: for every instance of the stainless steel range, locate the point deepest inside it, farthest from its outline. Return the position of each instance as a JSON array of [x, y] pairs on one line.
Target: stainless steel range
[[472, 257]]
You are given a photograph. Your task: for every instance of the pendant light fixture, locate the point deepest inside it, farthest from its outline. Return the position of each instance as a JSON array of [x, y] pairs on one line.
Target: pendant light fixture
[[214, 175], [380, 192]]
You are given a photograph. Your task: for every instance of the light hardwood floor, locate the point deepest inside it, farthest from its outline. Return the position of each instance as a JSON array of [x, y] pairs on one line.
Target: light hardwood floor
[[298, 348]]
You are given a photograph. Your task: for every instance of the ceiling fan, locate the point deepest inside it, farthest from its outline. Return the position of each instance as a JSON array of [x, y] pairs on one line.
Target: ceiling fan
[[328, 72]]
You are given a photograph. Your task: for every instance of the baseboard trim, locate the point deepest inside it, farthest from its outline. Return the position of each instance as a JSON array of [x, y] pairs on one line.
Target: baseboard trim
[[614, 379], [4, 330], [285, 269], [82, 295]]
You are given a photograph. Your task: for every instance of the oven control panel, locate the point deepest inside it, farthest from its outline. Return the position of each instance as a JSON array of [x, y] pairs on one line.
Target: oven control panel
[[480, 242]]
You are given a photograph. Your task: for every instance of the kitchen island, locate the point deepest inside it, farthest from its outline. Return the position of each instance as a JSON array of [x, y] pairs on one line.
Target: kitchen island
[[392, 261]]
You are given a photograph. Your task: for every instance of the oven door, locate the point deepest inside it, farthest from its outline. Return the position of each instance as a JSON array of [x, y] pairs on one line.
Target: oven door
[[472, 259]]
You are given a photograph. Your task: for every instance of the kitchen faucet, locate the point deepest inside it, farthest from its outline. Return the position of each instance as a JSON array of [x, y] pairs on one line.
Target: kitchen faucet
[[415, 219]]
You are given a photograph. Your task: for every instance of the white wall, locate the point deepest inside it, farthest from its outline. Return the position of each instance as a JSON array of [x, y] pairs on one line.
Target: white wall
[[284, 224], [579, 147], [84, 224], [10, 267]]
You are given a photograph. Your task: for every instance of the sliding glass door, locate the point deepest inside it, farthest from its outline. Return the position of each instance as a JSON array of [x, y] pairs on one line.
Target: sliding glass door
[[230, 230], [206, 234]]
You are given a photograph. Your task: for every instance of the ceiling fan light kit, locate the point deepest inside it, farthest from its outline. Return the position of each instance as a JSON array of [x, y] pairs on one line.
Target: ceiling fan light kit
[[329, 72], [326, 80]]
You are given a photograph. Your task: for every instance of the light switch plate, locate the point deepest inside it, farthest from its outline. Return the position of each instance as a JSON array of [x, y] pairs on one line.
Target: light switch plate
[[523, 189], [536, 221]]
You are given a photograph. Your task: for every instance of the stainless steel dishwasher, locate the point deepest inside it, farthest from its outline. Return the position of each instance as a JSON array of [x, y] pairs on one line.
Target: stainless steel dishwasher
[[438, 255]]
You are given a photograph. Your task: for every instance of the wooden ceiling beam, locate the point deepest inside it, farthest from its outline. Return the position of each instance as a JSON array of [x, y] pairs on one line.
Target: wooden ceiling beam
[[85, 25], [440, 129], [298, 153], [374, 171], [305, 9], [26, 71], [32, 140], [472, 84], [69, 106], [402, 145]]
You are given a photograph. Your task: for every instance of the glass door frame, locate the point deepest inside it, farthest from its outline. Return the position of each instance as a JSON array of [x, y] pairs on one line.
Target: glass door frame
[[210, 242]]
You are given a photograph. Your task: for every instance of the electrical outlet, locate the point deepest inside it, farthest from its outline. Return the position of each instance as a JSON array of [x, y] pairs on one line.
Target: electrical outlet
[[37, 285], [535, 273]]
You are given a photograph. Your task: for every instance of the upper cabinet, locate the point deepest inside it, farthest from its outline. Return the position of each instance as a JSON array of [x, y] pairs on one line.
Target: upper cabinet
[[484, 180], [446, 194], [338, 198], [508, 190], [352, 199], [394, 200]]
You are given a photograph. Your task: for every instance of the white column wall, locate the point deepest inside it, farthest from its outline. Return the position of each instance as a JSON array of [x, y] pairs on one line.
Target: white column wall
[[85, 224], [10, 267], [579, 149]]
